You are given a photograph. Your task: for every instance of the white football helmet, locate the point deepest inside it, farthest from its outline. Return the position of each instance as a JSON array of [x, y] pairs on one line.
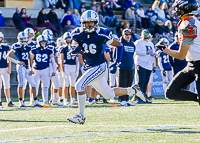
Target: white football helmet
[[66, 35], [48, 32], [22, 38], [87, 16], [30, 31], [41, 38], [164, 40], [2, 36], [60, 42]]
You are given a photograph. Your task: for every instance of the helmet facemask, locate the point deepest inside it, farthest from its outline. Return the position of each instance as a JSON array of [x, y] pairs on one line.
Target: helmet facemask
[[89, 28], [43, 45]]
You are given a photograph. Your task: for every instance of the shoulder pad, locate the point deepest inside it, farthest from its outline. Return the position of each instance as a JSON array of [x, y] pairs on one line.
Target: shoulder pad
[[76, 31], [188, 29], [104, 32], [16, 46]]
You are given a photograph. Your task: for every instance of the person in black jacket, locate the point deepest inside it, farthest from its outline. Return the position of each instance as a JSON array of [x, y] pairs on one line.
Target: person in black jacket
[[42, 20], [53, 19], [17, 19]]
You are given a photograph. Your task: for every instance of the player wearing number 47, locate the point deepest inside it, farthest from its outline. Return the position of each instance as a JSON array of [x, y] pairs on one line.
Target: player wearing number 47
[[91, 38], [188, 31], [21, 51]]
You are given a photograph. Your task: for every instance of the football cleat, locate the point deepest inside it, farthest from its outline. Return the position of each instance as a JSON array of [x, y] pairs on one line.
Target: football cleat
[[10, 104], [92, 102], [79, 119], [130, 103], [37, 105], [112, 100], [138, 92], [22, 106], [151, 98], [1, 106], [74, 102], [105, 101], [66, 103], [123, 103], [46, 104], [56, 103]]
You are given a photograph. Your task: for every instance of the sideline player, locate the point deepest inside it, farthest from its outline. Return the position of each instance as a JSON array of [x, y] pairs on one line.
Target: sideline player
[[31, 34], [69, 67], [164, 64], [188, 31], [91, 38], [21, 51], [42, 55], [5, 71]]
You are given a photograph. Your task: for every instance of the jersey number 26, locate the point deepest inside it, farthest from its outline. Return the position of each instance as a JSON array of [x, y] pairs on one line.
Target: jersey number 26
[[90, 49]]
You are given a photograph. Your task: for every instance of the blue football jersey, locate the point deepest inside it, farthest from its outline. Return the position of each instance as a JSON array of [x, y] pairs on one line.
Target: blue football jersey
[[33, 43], [52, 43], [41, 58], [53, 48], [21, 52], [165, 60], [3, 52], [93, 45], [68, 59]]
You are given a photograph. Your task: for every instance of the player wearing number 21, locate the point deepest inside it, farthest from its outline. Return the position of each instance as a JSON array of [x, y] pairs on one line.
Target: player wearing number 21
[[91, 39], [21, 51]]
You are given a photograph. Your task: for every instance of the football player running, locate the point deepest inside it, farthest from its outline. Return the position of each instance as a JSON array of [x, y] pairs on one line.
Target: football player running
[[69, 68], [188, 31], [42, 56], [91, 38], [164, 64], [5, 71], [22, 53]]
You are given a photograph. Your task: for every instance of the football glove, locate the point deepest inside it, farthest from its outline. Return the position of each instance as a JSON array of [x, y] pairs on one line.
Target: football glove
[[160, 46], [164, 73], [113, 68]]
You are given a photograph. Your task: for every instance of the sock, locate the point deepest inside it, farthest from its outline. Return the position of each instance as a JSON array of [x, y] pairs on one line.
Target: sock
[[8, 100], [65, 100], [148, 94], [52, 96], [130, 91], [81, 103], [55, 96], [20, 99], [21, 102], [98, 96], [164, 86], [35, 100], [73, 99]]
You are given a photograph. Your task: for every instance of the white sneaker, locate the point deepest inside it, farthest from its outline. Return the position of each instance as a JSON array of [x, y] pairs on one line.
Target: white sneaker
[[31, 104], [74, 102], [130, 103], [56, 103], [93, 102], [123, 103], [80, 119], [112, 100], [138, 92]]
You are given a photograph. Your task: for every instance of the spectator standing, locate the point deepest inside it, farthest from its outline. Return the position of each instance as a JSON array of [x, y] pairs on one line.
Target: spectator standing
[[76, 18], [67, 16], [130, 14], [42, 20], [126, 67], [82, 8], [53, 19], [144, 60], [17, 19], [2, 21]]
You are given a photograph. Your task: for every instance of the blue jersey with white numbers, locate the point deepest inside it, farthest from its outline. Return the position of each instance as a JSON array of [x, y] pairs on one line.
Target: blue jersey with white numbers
[[3, 52], [127, 55], [68, 59], [93, 45], [41, 58], [21, 52], [165, 60], [33, 43]]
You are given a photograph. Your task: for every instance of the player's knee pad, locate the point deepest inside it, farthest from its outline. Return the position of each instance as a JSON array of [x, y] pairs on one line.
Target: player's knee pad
[[79, 87]]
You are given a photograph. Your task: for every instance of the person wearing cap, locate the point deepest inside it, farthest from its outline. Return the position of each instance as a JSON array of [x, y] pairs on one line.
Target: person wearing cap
[[2, 21], [53, 19], [144, 59], [126, 67]]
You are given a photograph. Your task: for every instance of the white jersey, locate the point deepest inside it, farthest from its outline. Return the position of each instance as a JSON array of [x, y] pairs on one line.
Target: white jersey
[[142, 58], [189, 32]]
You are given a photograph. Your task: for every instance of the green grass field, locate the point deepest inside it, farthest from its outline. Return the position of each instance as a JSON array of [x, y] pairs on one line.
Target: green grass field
[[163, 121]]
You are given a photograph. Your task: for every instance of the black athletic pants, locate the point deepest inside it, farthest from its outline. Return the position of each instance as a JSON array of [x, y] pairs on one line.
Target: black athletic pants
[[190, 73], [125, 80], [144, 76]]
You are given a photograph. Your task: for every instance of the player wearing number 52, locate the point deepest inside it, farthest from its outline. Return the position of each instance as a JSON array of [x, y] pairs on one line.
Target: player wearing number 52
[[21, 51], [42, 55]]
